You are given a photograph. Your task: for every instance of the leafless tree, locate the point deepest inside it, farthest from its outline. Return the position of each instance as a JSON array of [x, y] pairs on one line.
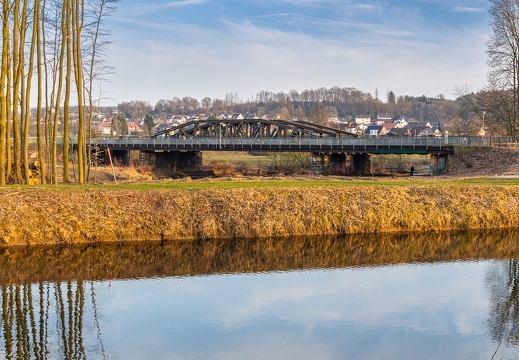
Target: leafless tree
[[503, 53]]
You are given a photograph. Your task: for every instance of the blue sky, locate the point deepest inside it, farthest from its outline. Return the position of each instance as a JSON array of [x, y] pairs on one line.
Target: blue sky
[[199, 48]]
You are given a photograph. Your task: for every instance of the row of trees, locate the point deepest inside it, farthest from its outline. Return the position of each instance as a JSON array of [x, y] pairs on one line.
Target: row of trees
[[316, 105], [52, 55]]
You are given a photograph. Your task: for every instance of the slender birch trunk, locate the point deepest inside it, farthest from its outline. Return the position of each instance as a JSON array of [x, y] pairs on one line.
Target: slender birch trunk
[[41, 156], [3, 75], [68, 75], [17, 74], [77, 26]]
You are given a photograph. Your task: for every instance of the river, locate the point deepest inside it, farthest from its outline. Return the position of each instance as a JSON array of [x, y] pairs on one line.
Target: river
[[404, 296]]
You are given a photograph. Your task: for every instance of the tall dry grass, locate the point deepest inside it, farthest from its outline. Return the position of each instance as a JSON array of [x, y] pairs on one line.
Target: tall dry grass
[[54, 217]]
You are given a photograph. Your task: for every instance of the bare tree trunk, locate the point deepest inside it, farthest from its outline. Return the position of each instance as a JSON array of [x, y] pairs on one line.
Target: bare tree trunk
[[41, 156], [3, 75], [77, 25], [57, 100], [27, 112], [66, 104], [17, 75]]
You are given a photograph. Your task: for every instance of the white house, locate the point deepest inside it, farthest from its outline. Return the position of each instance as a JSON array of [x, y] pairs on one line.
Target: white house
[[363, 119]]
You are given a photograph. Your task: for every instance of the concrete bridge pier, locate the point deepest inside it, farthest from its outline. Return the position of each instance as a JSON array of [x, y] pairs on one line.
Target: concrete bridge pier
[[328, 164], [175, 160], [362, 164], [440, 163], [122, 157]]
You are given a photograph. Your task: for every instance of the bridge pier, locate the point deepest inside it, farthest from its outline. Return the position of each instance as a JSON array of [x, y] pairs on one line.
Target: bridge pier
[[122, 157], [330, 164], [440, 163], [175, 160], [362, 164]]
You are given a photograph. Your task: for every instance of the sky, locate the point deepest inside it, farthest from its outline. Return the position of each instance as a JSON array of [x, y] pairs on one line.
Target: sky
[[209, 48]]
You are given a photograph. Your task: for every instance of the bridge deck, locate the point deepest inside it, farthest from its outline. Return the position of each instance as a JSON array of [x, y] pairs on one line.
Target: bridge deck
[[396, 145]]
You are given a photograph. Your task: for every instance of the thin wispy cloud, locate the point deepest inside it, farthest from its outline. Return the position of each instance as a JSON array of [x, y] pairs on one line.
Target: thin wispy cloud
[[331, 26], [181, 3], [462, 9], [149, 8]]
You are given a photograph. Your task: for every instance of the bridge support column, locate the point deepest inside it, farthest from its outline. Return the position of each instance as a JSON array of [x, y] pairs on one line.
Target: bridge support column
[[440, 163], [176, 160], [121, 157], [362, 164], [330, 164]]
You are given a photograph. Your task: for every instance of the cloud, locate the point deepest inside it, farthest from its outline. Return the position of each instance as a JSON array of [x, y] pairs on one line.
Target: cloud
[[184, 3], [463, 9], [149, 8]]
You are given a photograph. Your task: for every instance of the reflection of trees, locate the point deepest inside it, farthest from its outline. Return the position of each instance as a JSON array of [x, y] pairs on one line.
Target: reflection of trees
[[21, 265], [503, 283], [44, 320]]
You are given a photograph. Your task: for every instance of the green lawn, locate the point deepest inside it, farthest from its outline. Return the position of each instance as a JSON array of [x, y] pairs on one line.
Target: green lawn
[[236, 183]]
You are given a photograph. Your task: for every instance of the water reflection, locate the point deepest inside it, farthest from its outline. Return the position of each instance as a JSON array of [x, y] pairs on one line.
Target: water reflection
[[22, 265], [47, 321], [58, 301], [503, 282]]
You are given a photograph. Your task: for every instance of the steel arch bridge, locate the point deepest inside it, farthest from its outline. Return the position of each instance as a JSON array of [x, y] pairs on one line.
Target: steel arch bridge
[[250, 128]]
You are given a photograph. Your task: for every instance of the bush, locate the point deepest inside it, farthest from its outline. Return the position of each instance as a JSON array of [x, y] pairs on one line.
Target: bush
[[220, 168]]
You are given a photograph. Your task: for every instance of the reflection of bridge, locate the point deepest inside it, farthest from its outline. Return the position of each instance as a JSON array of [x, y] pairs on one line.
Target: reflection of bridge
[[180, 146]]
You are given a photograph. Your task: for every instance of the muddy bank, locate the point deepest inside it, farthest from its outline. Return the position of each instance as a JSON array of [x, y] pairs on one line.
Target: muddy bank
[[69, 217]]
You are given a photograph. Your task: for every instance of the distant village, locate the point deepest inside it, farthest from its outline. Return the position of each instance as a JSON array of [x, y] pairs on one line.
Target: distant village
[[363, 125]]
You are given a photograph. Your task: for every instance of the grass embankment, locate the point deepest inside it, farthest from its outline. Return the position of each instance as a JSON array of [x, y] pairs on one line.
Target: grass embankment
[[47, 216]]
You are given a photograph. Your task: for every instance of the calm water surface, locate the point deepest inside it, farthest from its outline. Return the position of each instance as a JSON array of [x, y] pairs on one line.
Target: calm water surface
[[219, 300]]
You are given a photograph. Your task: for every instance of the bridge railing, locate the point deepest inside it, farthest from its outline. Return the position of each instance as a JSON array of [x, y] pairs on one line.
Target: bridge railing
[[226, 143]]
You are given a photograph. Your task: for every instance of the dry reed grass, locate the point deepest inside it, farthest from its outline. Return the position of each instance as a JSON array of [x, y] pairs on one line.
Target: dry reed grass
[[64, 217]]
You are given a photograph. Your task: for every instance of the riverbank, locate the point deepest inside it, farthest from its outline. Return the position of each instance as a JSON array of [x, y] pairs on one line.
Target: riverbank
[[72, 216]]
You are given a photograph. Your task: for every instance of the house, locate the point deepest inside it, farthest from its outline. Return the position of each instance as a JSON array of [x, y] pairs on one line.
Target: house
[[105, 128], [375, 130], [353, 129], [133, 129], [389, 126], [177, 119], [402, 121], [383, 118], [237, 117], [363, 119], [422, 130], [437, 130], [399, 132]]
